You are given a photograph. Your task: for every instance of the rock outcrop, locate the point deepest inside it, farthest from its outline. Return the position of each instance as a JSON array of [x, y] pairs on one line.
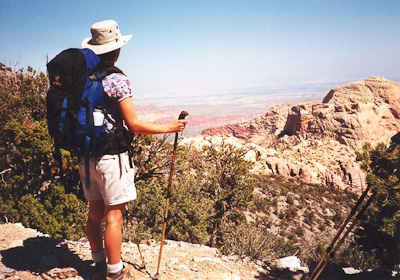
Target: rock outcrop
[[374, 89], [316, 141], [366, 111], [258, 130]]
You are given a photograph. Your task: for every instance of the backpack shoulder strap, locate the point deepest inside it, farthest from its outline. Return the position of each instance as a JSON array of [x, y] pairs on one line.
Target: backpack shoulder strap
[[103, 72]]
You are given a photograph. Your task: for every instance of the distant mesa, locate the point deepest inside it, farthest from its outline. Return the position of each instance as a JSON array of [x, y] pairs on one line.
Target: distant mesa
[[320, 138], [359, 112]]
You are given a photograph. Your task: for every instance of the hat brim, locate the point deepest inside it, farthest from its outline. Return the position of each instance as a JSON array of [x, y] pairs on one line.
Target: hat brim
[[101, 49]]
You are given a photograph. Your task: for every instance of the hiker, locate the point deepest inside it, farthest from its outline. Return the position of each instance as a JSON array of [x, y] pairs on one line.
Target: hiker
[[112, 176]]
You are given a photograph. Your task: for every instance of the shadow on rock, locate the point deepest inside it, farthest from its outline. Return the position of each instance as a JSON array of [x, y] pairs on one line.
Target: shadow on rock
[[331, 272], [42, 254], [334, 272], [281, 274]]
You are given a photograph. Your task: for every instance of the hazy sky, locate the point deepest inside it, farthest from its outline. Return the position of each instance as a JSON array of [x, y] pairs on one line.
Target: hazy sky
[[203, 46]]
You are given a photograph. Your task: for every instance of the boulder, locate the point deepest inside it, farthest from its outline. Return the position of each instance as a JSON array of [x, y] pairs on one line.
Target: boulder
[[306, 175], [354, 175], [292, 263]]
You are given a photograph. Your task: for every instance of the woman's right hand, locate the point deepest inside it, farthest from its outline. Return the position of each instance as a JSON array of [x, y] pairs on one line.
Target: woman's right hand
[[177, 125]]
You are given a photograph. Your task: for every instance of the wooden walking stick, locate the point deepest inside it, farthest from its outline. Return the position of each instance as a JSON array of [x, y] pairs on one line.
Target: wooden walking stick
[[317, 272], [340, 231], [169, 192]]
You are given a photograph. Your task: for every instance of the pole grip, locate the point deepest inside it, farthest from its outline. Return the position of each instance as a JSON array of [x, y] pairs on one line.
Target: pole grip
[[183, 115]]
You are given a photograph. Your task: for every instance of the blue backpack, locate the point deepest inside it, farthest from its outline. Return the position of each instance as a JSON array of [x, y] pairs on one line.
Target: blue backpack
[[77, 107]]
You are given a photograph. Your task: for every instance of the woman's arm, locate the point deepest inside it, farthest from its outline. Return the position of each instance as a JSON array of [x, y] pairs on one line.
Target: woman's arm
[[135, 125]]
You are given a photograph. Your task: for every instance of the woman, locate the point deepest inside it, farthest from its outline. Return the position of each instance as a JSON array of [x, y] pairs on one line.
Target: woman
[[112, 176]]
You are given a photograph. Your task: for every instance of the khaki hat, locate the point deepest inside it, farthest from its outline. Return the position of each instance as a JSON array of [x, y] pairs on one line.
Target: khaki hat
[[106, 37]]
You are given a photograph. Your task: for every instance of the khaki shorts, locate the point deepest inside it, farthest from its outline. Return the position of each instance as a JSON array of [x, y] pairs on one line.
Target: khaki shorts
[[111, 179]]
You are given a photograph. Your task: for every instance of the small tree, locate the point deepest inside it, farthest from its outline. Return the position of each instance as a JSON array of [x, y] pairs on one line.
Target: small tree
[[225, 179], [190, 211], [189, 208], [379, 234], [24, 142], [29, 191]]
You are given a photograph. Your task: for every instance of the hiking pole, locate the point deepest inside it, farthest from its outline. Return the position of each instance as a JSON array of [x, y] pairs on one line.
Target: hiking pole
[[171, 172], [135, 239], [355, 221], [351, 214]]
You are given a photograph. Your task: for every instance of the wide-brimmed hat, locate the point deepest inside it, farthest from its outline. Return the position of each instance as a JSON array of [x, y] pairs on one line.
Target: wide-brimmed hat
[[106, 37]]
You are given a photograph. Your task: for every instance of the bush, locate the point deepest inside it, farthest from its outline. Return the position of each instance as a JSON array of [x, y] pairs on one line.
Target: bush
[[249, 240], [379, 233], [34, 215], [29, 191], [61, 215]]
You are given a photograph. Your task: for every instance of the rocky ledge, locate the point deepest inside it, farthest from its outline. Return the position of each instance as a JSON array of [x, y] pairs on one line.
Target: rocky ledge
[[26, 254]]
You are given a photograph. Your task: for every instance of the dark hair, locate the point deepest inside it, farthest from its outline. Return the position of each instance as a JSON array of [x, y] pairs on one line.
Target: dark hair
[[109, 58]]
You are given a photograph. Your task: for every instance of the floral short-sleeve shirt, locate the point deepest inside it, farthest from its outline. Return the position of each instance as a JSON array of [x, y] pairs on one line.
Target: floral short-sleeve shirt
[[117, 86]]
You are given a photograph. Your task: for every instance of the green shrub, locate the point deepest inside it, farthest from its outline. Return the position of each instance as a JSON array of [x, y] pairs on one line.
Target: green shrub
[[254, 242]]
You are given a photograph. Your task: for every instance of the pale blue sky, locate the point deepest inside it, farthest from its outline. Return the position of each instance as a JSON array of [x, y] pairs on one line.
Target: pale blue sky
[[194, 47]]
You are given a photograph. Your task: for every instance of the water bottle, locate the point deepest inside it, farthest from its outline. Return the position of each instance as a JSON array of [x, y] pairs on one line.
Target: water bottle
[[98, 117]]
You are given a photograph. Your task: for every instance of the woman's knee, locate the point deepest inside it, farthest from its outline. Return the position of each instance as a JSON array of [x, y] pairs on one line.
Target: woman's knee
[[95, 217], [113, 214], [96, 210]]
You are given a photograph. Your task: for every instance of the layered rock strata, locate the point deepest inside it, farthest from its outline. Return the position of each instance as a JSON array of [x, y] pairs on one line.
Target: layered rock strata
[[316, 142]]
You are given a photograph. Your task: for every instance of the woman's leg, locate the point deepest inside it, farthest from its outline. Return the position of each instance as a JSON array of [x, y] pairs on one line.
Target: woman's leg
[[113, 232], [94, 226]]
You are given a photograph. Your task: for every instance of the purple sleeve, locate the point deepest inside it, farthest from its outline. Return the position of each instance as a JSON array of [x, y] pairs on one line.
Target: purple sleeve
[[117, 86]]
